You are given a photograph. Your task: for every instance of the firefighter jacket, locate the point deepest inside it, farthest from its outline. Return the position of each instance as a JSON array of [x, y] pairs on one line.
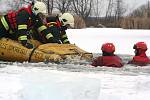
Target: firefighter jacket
[[21, 22], [109, 61], [59, 32]]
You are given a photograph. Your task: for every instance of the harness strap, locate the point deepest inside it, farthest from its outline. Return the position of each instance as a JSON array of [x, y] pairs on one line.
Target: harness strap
[[11, 16], [12, 20]]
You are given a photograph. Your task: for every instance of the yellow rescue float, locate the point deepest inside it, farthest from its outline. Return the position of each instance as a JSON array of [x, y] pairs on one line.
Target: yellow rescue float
[[11, 50]]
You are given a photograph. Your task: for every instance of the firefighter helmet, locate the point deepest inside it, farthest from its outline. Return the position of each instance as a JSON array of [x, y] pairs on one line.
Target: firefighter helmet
[[67, 19], [39, 7], [140, 45], [108, 47]]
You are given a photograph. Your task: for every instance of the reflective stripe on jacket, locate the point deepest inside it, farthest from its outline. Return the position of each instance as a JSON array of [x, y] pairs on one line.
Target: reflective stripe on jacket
[[54, 25]]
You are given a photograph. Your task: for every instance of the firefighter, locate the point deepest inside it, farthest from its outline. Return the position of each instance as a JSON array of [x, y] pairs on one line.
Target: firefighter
[[108, 57], [57, 25], [16, 24], [140, 57]]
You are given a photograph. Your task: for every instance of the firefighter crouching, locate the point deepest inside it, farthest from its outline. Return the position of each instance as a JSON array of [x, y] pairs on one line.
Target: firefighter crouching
[[16, 24], [57, 25]]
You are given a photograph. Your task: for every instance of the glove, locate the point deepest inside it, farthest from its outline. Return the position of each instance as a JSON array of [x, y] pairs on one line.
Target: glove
[[26, 44], [63, 28], [29, 35], [53, 40], [29, 45]]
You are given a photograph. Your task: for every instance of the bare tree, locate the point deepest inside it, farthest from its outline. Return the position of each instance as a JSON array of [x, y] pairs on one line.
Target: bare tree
[[148, 9], [109, 10], [96, 11], [63, 5], [120, 10], [82, 8], [50, 5], [115, 9], [114, 12], [142, 11]]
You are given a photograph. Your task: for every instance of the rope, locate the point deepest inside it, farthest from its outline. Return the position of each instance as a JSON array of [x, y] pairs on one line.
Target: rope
[[31, 54]]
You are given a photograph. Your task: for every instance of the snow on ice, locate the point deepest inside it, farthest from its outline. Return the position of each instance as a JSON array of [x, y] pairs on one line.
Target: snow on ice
[[91, 39]]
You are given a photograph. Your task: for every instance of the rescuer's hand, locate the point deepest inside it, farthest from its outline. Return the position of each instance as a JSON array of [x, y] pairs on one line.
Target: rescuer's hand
[[63, 28], [53, 40], [29, 45], [26, 44]]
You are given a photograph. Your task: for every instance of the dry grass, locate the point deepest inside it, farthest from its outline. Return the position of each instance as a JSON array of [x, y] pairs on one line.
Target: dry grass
[[79, 22], [135, 23]]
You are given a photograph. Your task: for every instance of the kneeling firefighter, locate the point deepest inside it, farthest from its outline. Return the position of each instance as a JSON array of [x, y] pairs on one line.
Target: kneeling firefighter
[[16, 24], [140, 57], [57, 25], [108, 57]]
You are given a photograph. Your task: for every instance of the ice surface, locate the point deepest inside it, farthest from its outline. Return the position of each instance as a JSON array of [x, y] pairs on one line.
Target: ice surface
[[78, 80], [91, 39], [32, 82]]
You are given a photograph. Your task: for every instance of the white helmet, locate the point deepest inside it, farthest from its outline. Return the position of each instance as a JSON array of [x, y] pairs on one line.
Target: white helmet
[[39, 7], [67, 19]]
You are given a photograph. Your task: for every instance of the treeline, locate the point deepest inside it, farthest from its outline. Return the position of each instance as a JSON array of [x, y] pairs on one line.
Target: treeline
[[113, 12], [87, 12], [84, 9], [138, 19]]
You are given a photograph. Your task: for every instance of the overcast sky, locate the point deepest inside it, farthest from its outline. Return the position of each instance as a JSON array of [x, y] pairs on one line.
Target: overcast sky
[[130, 5], [135, 2]]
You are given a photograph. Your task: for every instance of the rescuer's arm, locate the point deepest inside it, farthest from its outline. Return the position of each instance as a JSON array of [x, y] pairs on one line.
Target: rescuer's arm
[[22, 28], [43, 30], [64, 37]]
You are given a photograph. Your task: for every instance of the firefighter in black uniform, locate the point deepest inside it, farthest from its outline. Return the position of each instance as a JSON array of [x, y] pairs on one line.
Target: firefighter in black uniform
[[57, 25], [16, 25]]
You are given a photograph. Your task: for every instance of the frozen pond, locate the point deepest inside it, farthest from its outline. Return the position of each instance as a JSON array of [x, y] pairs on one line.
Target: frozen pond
[[77, 80], [73, 81]]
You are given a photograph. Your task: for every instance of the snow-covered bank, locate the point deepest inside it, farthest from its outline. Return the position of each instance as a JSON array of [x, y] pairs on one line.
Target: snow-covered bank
[[91, 39]]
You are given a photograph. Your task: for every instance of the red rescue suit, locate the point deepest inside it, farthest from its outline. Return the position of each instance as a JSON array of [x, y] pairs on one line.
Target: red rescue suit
[[141, 59], [109, 61]]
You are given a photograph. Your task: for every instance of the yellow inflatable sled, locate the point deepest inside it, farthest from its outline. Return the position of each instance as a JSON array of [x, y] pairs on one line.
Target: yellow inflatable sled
[[11, 50]]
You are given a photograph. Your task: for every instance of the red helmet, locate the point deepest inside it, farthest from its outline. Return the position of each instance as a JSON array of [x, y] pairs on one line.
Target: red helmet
[[108, 47], [140, 45]]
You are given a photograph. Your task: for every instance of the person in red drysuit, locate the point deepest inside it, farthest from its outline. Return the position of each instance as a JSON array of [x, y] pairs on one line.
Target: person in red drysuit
[[140, 57], [108, 57]]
